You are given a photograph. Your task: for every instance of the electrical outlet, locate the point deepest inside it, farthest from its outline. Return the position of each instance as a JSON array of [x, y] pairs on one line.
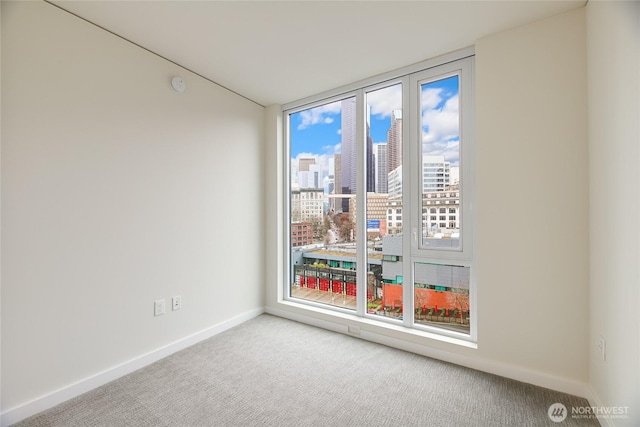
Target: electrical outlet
[[176, 303], [158, 307], [602, 346]]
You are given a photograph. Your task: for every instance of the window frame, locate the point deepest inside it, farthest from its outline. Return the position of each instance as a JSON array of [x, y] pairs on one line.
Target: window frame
[[464, 68], [412, 203], [288, 267]]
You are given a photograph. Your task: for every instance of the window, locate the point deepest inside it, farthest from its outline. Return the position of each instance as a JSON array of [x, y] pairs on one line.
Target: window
[[442, 296], [362, 246], [316, 269], [384, 121]]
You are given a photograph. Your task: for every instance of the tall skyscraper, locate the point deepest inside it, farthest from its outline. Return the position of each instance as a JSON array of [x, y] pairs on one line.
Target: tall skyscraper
[[348, 147], [370, 160], [394, 141], [349, 152], [380, 157]]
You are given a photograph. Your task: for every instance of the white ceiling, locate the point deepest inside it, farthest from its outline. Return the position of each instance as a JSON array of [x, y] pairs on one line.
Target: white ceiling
[[275, 52]]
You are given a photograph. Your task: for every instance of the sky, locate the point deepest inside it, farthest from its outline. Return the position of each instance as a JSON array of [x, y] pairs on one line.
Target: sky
[[316, 132]]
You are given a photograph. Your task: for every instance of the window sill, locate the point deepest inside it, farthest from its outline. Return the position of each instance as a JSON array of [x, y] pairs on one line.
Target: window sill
[[366, 328]]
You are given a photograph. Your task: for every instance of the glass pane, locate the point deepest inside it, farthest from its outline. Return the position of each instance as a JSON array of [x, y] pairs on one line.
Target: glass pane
[[440, 171], [384, 201], [322, 200], [441, 296]]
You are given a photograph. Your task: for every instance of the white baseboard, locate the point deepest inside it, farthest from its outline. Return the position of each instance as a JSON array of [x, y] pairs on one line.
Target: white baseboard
[[594, 400], [540, 379], [50, 400]]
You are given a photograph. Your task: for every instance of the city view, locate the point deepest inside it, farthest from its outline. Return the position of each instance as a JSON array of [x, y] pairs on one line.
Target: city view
[[324, 212]]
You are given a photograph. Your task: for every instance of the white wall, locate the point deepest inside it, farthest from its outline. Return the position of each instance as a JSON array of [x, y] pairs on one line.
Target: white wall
[[116, 191], [614, 138], [532, 173]]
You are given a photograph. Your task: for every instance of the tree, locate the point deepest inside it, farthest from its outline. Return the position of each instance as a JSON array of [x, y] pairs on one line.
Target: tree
[[318, 228], [327, 230], [344, 226], [459, 298], [422, 299]]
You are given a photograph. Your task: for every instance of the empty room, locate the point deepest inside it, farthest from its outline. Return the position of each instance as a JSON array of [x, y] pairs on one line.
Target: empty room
[[288, 213]]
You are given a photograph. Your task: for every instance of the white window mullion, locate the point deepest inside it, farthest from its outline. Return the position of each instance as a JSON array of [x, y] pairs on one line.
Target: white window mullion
[[361, 206], [468, 100], [408, 211], [286, 240]]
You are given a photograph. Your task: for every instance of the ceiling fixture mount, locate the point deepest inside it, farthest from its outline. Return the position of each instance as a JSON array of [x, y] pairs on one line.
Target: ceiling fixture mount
[[178, 84]]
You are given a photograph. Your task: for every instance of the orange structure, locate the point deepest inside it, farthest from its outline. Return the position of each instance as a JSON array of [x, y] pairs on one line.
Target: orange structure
[[423, 298]]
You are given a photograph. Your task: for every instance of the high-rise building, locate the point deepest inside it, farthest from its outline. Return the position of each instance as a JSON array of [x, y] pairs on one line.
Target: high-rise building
[[307, 204], [376, 213], [371, 163], [395, 184], [335, 204], [435, 174], [349, 151], [380, 157], [330, 186], [304, 163], [394, 141], [394, 201], [310, 178]]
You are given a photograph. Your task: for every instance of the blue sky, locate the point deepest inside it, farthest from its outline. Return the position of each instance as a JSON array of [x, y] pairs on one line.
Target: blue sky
[[317, 131], [313, 138]]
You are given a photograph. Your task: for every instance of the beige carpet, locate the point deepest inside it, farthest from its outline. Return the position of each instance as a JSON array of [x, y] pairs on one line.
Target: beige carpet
[[274, 372]]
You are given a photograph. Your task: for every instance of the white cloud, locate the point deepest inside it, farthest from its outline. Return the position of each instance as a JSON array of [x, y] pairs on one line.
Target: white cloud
[[440, 126], [339, 132], [331, 149], [450, 150], [430, 98], [384, 101], [319, 114]]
